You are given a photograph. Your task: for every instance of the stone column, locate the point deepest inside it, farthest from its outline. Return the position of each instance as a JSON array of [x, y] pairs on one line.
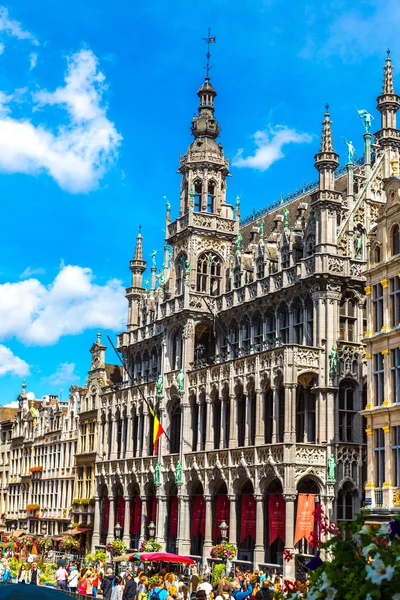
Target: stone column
[[260, 401], [232, 519], [143, 518], [209, 425], [96, 523], [113, 454], [145, 433], [126, 538], [183, 540], [111, 523], [389, 475], [201, 425], [224, 433], [129, 438], [275, 414], [289, 566], [259, 546], [161, 525], [208, 532], [233, 439]]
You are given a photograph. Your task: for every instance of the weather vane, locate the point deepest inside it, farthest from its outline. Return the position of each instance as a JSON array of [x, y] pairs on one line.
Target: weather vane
[[209, 40]]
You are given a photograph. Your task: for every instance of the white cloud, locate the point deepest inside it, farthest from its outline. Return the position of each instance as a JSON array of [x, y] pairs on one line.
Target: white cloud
[[13, 28], [32, 60], [269, 146], [29, 272], [11, 364], [38, 314], [11, 404], [65, 373], [79, 153]]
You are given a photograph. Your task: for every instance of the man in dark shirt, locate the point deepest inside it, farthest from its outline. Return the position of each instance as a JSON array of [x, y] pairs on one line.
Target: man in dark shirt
[[34, 575], [130, 590]]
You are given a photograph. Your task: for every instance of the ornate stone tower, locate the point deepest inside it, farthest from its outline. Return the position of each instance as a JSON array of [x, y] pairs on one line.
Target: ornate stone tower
[[134, 293], [326, 202], [388, 105]]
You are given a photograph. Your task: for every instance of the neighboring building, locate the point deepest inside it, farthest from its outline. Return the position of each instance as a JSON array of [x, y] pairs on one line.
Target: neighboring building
[[383, 353], [7, 416], [42, 471], [249, 346]]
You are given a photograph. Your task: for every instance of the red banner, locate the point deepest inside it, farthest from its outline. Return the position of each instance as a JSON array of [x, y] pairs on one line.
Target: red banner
[[151, 510], [120, 513], [106, 515], [276, 517], [305, 517], [199, 516], [173, 516], [248, 524], [221, 514]]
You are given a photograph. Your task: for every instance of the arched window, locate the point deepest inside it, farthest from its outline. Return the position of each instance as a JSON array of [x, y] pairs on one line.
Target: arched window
[[180, 273], [146, 365], [138, 366], [395, 240], [198, 189], [377, 257], [270, 328], [210, 197], [237, 277], [176, 350], [209, 274], [246, 339], [347, 411], [298, 326], [175, 427], [260, 267], [345, 502], [258, 331], [285, 257], [309, 321], [283, 319], [305, 415], [154, 362], [310, 243], [347, 319], [234, 340]]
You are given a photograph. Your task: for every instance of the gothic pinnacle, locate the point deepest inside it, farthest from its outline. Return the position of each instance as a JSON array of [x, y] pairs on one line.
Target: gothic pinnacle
[[387, 87], [139, 248], [326, 138]]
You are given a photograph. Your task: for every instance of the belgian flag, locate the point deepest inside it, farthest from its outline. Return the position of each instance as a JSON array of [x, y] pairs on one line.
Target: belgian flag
[[158, 429]]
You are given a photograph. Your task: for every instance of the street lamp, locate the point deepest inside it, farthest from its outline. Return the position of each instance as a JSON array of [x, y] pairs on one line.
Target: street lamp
[[224, 528], [118, 529], [44, 529], [12, 528], [70, 528], [25, 527], [152, 529]]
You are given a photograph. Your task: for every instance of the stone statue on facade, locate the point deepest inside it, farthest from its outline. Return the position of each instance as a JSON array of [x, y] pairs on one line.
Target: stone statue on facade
[[157, 474], [351, 151], [261, 228], [366, 118], [159, 386], [168, 206], [153, 258], [358, 244], [286, 218], [333, 358], [187, 267], [181, 381], [238, 243], [161, 279], [331, 468], [178, 473]]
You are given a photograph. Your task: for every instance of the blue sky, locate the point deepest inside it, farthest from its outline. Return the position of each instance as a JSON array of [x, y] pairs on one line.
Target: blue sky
[[96, 101]]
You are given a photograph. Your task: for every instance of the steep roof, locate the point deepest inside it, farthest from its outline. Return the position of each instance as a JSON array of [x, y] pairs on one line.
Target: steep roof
[[114, 373], [7, 413]]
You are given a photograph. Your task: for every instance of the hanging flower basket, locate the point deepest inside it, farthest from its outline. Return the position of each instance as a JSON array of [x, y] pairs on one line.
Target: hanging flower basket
[[37, 469], [149, 546], [32, 507], [223, 551], [70, 543], [44, 543], [116, 547]]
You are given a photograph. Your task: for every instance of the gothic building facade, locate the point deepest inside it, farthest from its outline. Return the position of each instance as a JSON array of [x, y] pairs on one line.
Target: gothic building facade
[[249, 347]]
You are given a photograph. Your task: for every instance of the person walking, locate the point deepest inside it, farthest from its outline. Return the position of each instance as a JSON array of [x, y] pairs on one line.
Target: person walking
[[61, 578], [107, 585], [95, 581], [6, 576], [130, 590], [22, 574], [34, 574], [73, 579], [117, 590]]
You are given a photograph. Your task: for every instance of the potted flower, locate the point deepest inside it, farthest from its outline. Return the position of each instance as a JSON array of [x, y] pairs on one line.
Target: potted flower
[[70, 544], [149, 546], [223, 551], [116, 547]]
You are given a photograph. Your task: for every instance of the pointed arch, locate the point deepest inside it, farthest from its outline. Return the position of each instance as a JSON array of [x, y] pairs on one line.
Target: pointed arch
[[209, 273]]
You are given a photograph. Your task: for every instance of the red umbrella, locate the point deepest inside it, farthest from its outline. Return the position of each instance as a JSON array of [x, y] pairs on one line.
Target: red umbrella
[[161, 557]]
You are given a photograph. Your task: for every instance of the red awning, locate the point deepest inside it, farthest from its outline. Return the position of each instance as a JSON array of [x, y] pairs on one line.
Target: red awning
[[161, 557], [78, 530]]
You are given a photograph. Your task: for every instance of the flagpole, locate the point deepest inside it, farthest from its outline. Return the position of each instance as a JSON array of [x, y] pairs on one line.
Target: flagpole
[[137, 386]]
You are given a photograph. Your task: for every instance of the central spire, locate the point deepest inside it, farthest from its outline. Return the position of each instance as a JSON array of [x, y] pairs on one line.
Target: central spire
[[387, 87], [326, 138]]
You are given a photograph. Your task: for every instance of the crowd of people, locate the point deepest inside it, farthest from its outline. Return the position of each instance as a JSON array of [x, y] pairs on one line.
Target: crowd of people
[[135, 584]]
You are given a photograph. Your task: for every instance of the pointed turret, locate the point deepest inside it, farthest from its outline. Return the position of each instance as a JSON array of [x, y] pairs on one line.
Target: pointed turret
[[388, 105], [326, 161], [138, 265]]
